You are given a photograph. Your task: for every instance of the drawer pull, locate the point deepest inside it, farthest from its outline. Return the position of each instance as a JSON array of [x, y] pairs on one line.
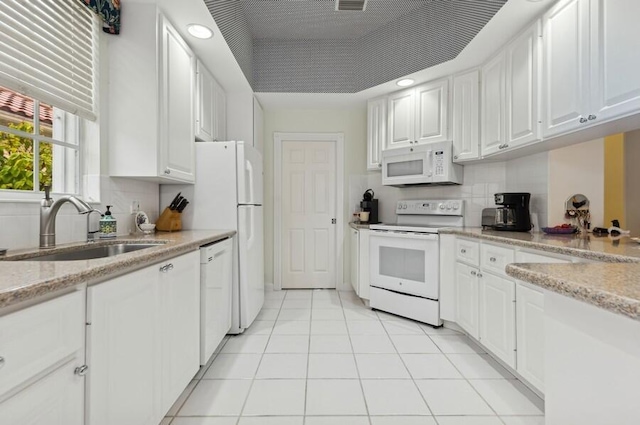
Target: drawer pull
[[2, 362], [81, 370], [492, 259], [463, 251]]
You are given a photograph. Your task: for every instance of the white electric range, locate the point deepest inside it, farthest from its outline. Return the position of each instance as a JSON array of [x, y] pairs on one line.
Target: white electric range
[[405, 258]]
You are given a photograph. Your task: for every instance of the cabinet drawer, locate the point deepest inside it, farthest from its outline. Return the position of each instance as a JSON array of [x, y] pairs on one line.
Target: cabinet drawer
[[468, 252], [37, 338], [530, 257], [495, 258]]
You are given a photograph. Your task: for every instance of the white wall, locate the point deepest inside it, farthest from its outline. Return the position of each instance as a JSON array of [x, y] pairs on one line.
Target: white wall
[[577, 169], [531, 174], [351, 122], [632, 177]]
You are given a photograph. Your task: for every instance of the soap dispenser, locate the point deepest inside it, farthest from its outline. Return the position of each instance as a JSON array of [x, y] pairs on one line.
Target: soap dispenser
[[108, 224]]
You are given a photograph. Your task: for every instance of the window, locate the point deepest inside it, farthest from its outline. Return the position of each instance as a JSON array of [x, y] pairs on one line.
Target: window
[[37, 149]]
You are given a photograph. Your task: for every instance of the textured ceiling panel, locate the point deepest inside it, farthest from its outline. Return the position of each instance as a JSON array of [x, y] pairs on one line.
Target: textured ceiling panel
[[304, 46]]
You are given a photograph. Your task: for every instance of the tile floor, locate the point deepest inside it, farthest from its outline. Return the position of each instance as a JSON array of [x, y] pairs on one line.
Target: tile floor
[[324, 358]]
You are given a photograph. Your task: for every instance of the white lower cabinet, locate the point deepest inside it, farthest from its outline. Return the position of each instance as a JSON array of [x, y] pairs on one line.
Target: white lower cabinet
[[467, 292], [530, 334], [360, 262], [143, 342], [498, 317]]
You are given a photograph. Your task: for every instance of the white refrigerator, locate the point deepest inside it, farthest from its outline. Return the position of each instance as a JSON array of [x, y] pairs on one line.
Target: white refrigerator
[[228, 195]]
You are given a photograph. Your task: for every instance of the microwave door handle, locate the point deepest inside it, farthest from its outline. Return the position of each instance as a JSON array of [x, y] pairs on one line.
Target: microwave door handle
[[430, 159]]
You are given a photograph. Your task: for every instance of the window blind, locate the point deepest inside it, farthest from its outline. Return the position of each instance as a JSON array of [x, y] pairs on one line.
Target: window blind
[[49, 51]]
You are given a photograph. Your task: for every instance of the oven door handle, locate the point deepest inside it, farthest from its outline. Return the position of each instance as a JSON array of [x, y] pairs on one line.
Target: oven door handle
[[404, 235]]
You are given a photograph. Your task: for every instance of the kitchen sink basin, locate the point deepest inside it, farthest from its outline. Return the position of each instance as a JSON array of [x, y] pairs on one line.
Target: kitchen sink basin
[[92, 253]]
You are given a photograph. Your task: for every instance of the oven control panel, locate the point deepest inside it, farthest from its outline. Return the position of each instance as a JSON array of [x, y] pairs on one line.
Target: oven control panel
[[430, 207]]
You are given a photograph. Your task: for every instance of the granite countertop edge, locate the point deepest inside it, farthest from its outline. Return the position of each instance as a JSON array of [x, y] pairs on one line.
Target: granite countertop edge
[[95, 271], [358, 226], [604, 299]]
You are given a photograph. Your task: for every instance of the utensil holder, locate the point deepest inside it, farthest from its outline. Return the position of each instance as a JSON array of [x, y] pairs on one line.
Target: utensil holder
[[169, 221]]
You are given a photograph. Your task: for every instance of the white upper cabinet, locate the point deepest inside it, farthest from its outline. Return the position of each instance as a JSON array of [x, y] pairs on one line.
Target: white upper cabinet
[[432, 115], [151, 92], [565, 67], [376, 132], [615, 62], [466, 116], [492, 137], [401, 119], [523, 64], [210, 107]]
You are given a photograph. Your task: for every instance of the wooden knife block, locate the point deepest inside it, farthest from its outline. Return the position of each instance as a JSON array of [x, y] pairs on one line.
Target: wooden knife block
[[169, 221]]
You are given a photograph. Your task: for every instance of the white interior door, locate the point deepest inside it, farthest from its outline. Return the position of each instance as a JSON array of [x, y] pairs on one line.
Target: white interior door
[[308, 231]]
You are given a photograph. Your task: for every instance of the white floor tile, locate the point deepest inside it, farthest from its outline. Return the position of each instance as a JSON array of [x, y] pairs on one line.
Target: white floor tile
[[330, 344], [272, 304], [292, 327], [353, 304], [325, 295], [274, 295], [335, 397], [455, 344], [327, 366], [385, 366], [295, 314], [402, 328], [166, 421], [388, 317], [509, 397], [393, 397], [430, 330], [234, 366], [204, 421], [328, 327], [327, 304], [336, 420], [430, 366], [414, 344], [260, 327], [360, 314], [452, 397], [216, 398], [468, 420], [327, 314], [271, 420], [296, 303], [183, 397], [372, 344], [402, 420], [479, 366], [523, 420], [276, 398], [368, 327], [268, 314], [288, 344], [299, 294], [246, 344], [283, 366]]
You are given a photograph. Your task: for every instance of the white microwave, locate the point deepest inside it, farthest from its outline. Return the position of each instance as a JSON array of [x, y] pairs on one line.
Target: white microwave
[[427, 164]]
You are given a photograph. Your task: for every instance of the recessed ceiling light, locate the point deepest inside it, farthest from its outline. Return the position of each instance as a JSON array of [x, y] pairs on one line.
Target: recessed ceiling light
[[199, 31], [405, 82]]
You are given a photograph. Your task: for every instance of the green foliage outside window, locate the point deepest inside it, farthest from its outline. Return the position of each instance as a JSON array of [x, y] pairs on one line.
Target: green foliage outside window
[[16, 160]]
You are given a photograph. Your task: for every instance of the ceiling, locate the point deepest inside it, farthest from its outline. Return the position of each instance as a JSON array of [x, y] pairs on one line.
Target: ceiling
[[305, 46]]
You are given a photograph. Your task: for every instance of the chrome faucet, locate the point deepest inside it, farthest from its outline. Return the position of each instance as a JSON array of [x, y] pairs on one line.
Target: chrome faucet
[[91, 234], [48, 212]]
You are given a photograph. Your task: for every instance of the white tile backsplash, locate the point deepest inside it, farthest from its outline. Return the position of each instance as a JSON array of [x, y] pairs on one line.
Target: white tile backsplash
[[20, 222], [531, 174]]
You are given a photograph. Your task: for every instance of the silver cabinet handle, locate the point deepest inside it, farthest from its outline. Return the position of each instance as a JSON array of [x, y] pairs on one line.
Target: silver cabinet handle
[[210, 259], [379, 165], [455, 157], [492, 259], [474, 273], [2, 362], [167, 171], [583, 120], [503, 146], [592, 117], [463, 251], [166, 268], [81, 370], [479, 274]]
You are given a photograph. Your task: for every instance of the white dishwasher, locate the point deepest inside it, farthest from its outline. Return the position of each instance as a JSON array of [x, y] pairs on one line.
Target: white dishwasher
[[216, 276]]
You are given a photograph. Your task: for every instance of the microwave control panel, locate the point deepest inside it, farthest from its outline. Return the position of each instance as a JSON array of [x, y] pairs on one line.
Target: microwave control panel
[[439, 163], [430, 207]]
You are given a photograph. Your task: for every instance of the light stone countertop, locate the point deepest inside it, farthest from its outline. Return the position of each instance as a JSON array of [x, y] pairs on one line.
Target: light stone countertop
[[613, 283], [22, 281]]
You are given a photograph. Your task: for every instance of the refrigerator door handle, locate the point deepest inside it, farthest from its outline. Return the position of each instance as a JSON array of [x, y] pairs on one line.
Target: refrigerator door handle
[[249, 182]]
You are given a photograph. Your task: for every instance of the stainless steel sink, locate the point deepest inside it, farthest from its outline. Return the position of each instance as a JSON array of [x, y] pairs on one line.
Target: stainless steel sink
[[94, 252]]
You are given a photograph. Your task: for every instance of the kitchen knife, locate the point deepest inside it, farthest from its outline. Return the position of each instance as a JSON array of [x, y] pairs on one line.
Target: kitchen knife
[[182, 205], [174, 203], [175, 207]]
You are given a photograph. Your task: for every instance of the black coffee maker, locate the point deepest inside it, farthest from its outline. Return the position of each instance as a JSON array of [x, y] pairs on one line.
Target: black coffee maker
[[371, 205], [513, 213]]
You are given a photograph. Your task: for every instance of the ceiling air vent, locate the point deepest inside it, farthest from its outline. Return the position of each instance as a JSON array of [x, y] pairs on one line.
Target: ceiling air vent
[[357, 5]]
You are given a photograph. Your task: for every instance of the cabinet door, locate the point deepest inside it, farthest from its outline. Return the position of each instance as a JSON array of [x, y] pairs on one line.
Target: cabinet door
[[177, 144], [565, 79], [466, 111], [522, 87], [180, 294], [205, 104], [530, 319], [376, 132], [467, 298], [355, 259], [492, 137], [615, 71], [432, 113], [219, 113], [124, 350], [497, 317], [56, 399], [363, 264], [400, 119]]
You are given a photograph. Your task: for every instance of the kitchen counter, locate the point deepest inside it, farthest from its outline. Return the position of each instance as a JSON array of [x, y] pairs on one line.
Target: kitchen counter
[[22, 281], [358, 226]]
